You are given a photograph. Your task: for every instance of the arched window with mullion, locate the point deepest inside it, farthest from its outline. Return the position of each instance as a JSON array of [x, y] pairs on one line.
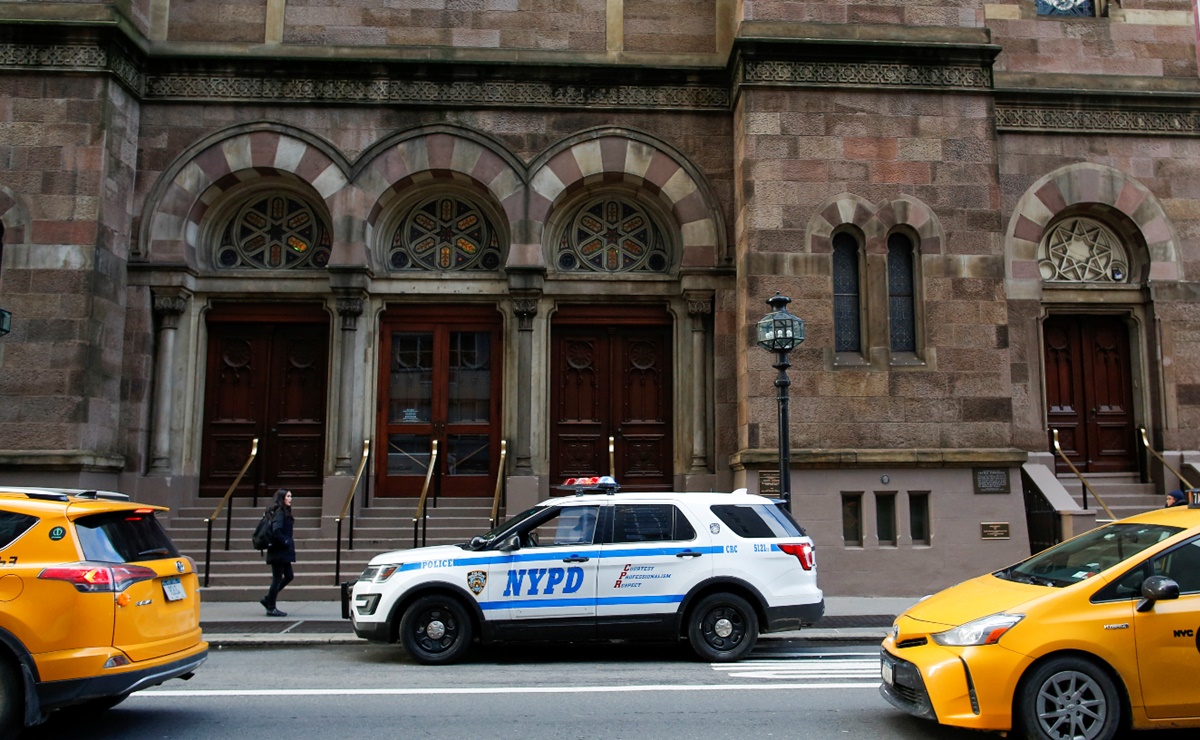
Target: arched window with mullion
[[847, 318], [902, 329]]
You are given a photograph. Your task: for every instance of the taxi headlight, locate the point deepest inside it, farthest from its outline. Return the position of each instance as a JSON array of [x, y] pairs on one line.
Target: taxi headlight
[[983, 631]]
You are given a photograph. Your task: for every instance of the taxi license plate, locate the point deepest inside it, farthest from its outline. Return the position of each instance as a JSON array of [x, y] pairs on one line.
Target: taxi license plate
[[173, 588], [886, 670]]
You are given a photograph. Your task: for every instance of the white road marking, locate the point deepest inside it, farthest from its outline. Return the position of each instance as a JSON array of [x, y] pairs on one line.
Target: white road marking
[[820, 666], [204, 693]]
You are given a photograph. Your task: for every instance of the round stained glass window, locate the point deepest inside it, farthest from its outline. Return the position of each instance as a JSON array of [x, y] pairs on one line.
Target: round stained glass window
[[445, 233], [274, 232], [613, 235]]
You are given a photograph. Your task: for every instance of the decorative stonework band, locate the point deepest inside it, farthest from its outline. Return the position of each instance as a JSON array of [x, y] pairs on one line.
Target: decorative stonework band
[[1019, 118], [866, 74], [74, 57]]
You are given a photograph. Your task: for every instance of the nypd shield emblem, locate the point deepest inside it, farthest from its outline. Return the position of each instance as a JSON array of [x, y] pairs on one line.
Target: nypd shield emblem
[[476, 580]]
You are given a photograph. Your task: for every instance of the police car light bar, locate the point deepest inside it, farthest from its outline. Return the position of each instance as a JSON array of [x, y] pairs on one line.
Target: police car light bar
[[602, 483]]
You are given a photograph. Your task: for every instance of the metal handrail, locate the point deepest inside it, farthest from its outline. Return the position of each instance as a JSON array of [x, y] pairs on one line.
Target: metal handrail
[[499, 484], [612, 464], [1146, 444], [1086, 486], [337, 561], [228, 514], [419, 516]]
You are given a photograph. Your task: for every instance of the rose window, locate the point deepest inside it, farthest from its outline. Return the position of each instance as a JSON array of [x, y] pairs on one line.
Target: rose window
[[1080, 250], [274, 232], [445, 233], [613, 235]]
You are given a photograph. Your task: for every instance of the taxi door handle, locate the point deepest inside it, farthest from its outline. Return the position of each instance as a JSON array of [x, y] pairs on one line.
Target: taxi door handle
[[688, 554], [576, 559]]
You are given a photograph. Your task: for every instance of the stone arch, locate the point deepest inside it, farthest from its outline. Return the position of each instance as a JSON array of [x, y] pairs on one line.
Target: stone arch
[[599, 155], [1098, 190], [387, 173], [875, 222], [176, 207]]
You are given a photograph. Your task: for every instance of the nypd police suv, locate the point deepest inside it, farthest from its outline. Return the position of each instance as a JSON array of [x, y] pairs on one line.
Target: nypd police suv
[[715, 569]]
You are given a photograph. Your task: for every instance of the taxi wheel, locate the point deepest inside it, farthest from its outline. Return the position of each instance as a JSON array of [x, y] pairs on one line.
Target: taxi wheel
[[722, 628], [1068, 698], [436, 630], [11, 699]]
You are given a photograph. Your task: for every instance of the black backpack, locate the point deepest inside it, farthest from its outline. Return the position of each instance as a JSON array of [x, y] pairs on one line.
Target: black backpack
[[262, 533]]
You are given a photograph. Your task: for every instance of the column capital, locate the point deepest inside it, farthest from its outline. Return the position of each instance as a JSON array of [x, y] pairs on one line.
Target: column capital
[[169, 306], [349, 308], [699, 302], [525, 307]]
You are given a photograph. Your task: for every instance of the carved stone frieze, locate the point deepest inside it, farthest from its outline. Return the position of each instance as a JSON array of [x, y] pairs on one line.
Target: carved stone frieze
[[74, 57], [868, 74], [1045, 118]]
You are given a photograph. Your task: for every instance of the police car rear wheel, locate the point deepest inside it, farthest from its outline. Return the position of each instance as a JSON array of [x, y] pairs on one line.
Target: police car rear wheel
[[436, 630], [723, 628]]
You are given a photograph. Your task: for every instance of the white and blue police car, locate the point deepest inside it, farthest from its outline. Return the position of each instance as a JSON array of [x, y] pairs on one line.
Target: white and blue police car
[[715, 569]]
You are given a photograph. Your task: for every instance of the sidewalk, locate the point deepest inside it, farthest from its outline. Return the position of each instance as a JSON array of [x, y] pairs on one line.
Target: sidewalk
[[244, 624]]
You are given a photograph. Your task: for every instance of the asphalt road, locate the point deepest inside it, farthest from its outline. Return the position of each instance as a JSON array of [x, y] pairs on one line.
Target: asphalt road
[[786, 690]]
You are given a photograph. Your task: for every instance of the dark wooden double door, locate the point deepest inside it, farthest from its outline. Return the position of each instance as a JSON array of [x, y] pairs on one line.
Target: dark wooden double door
[[611, 377], [1089, 392], [266, 379]]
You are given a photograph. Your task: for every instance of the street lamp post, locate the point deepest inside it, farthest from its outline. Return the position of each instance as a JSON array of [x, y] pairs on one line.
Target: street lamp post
[[781, 332]]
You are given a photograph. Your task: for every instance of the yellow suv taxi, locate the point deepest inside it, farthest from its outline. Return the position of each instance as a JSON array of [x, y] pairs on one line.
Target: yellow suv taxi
[[95, 603], [1090, 638]]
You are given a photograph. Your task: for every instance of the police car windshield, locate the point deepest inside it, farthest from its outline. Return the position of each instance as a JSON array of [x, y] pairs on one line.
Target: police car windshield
[[1087, 555], [511, 522]]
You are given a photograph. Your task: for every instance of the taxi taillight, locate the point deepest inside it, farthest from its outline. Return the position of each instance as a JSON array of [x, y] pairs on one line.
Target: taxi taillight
[[803, 552], [96, 577]]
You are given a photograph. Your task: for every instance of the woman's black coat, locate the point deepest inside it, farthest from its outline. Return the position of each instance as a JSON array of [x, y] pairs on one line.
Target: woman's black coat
[[282, 548]]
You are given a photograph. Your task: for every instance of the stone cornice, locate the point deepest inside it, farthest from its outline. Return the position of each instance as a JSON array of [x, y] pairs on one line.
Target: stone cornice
[[850, 458]]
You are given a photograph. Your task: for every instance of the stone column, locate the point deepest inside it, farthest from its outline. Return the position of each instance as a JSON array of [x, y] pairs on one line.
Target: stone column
[[525, 307], [700, 306], [168, 307], [349, 308]]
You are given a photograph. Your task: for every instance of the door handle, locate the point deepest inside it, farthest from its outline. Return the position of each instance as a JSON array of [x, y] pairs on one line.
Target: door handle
[[576, 559], [688, 554]]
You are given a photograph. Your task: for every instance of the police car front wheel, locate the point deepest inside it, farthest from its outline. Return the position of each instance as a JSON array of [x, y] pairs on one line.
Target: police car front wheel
[[723, 628], [436, 630]]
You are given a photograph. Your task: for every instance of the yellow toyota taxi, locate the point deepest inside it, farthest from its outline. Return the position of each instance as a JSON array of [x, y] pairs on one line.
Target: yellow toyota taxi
[[95, 603], [1085, 640]]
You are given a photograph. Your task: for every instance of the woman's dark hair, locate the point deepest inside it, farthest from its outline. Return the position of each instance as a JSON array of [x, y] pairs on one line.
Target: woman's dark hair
[[278, 503]]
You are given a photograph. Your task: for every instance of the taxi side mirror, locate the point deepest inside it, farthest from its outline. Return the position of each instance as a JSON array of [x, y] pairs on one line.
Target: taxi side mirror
[[1157, 588], [510, 544]]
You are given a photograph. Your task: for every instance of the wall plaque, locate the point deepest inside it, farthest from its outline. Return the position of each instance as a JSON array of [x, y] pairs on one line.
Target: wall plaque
[[994, 530], [991, 480], [768, 483]]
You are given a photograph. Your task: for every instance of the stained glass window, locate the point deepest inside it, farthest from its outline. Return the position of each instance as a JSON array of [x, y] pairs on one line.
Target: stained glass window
[[445, 233], [1069, 8], [613, 234], [1080, 250], [275, 231], [901, 313], [846, 322]]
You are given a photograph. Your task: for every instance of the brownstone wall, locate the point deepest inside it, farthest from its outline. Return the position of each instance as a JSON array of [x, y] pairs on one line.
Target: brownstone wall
[[1155, 38], [802, 148], [230, 21], [670, 26], [952, 13], [68, 146], [578, 25]]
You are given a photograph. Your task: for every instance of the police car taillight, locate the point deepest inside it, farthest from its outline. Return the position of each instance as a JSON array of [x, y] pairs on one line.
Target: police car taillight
[[802, 552], [93, 577]]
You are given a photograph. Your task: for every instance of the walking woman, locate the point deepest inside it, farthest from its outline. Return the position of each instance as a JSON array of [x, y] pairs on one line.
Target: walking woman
[[281, 553]]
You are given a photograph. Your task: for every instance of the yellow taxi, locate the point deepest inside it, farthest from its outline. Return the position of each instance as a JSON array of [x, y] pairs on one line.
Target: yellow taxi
[[95, 603], [1085, 640]]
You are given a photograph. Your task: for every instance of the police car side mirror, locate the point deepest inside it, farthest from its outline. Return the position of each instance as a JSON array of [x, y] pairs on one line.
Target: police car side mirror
[[510, 544], [1157, 588]]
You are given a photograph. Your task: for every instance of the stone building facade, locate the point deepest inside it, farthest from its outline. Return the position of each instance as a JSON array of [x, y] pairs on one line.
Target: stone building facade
[[538, 226]]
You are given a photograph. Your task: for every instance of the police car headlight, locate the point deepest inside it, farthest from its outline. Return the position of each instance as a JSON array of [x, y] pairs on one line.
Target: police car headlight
[[385, 572], [983, 631]]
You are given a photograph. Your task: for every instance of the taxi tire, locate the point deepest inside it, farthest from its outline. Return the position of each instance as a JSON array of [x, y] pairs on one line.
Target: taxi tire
[[454, 626], [1061, 678], [12, 699], [704, 633]]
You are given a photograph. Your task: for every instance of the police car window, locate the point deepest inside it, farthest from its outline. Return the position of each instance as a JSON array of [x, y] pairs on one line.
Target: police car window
[[650, 523], [570, 525], [1182, 565], [13, 525], [123, 537], [755, 520]]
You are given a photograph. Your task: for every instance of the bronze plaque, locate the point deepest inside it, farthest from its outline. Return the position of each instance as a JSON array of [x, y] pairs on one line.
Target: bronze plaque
[[991, 480], [994, 531], [768, 483]]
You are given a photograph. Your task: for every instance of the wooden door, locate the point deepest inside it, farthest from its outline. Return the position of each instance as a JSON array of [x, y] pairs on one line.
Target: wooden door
[[612, 380], [439, 380], [265, 380], [1089, 392]]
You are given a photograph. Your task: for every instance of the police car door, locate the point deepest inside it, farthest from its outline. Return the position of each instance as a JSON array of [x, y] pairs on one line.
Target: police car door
[[553, 574], [653, 558]]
